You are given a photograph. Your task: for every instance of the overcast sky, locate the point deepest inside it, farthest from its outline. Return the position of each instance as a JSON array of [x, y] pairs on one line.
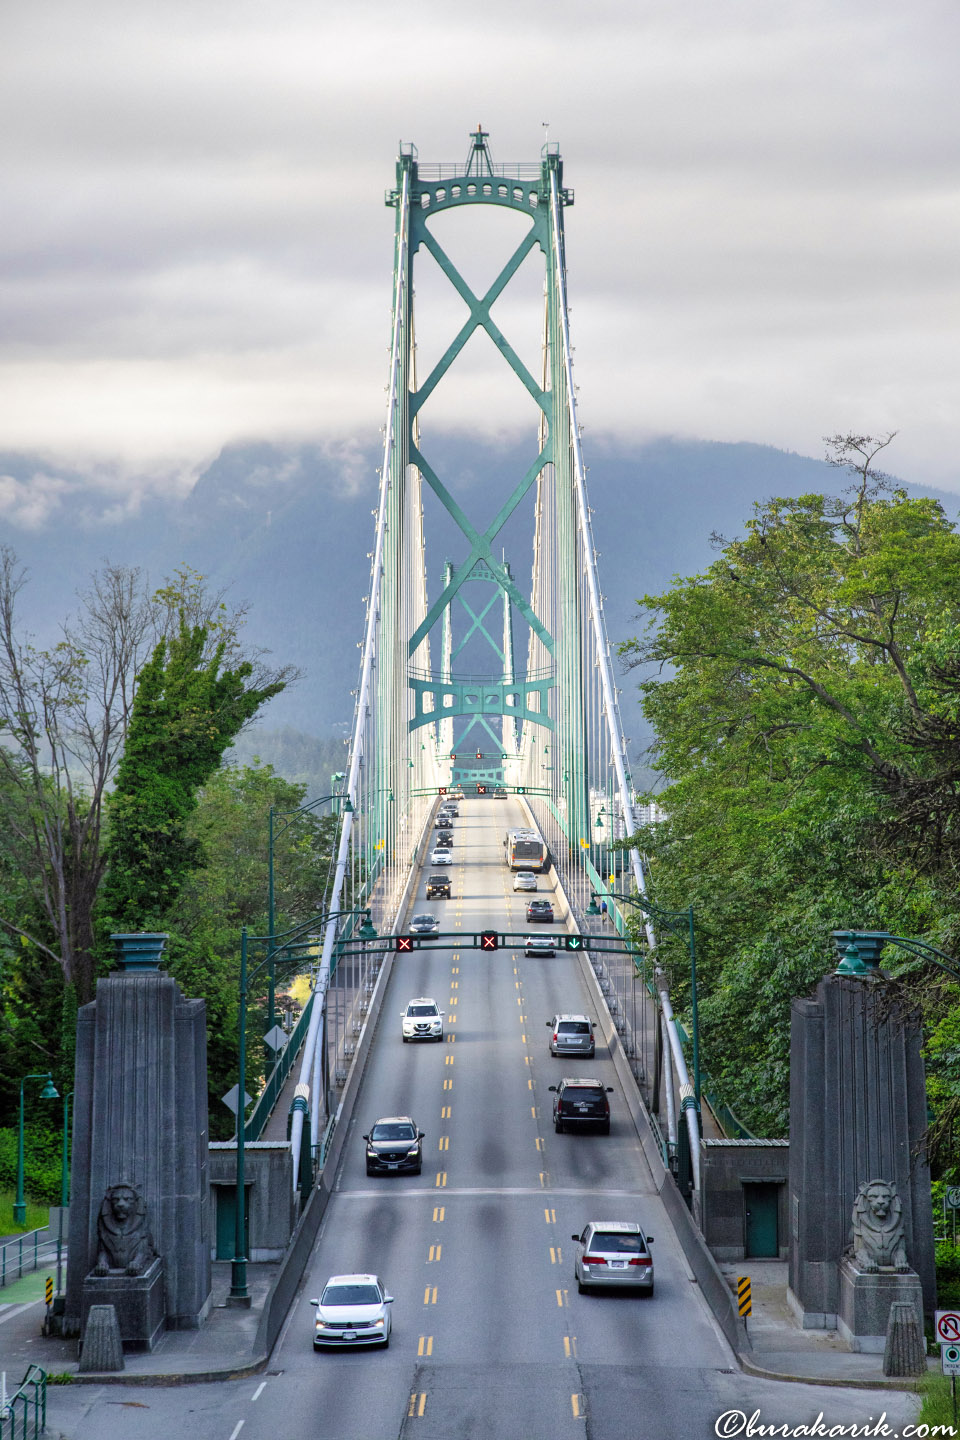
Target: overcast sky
[[195, 249]]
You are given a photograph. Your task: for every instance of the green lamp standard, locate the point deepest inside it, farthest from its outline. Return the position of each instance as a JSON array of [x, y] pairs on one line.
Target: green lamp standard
[[296, 941], [49, 1092], [64, 1180], [859, 952], [680, 923], [288, 816]]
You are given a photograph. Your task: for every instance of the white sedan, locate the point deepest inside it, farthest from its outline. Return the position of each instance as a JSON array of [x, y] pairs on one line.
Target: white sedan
[[441, 857], [353, 1310], [524, 880]]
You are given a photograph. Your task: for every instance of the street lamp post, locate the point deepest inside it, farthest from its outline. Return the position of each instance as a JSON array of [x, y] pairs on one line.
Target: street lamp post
[[49, 1092], [64, 1180], [287, 815], [296, 942], [680, 922], [867, 944]]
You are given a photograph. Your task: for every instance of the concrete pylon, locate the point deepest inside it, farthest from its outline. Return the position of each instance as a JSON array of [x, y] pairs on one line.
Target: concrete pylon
[[140, 1119]]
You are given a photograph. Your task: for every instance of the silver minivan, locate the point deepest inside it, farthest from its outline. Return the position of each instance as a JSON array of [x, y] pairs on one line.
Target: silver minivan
[[614, 1253], [572, 1035]]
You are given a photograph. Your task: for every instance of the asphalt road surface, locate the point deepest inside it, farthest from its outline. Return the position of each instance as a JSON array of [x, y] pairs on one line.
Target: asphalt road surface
[[491, 1339]]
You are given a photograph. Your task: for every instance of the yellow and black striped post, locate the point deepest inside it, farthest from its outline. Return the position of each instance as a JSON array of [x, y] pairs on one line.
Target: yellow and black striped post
[[744, 1301], [48, 1290]]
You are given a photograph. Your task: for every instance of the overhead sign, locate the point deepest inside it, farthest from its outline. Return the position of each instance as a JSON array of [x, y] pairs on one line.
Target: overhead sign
[[403, 944], [946, 1327], [489, 939], [573, 942], [950, 1359]]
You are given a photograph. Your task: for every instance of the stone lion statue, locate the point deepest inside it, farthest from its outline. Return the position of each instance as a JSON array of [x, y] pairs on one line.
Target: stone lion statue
[[124, 1244], [878, 1242]]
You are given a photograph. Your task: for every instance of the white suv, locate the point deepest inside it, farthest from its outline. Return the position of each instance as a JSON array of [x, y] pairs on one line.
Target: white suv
[[422, 1020]]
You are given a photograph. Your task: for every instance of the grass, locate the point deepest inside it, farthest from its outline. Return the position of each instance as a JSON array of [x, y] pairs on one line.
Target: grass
[[37, 1215], [937, 1406]]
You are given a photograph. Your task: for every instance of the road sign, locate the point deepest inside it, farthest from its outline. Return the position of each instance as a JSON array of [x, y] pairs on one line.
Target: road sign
[[48, 1293], [946, 1327], [276, 1038], [744, 1298], [403, 944], [489, 939], [573, 942], [953, 1197], [950, 1359], [232, 1096]]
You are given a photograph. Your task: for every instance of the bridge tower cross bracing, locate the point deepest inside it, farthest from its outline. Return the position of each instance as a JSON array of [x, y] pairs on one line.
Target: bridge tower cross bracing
[[552, 728]]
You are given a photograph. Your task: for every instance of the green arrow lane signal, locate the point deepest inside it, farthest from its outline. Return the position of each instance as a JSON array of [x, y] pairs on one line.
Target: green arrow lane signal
[[573, 942]]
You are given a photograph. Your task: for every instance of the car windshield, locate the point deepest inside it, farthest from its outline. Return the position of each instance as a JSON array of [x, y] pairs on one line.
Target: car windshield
[[393, 1131], [423, 920], [421, 1009], [350, 1295], [573, 1027], [615, 1244]]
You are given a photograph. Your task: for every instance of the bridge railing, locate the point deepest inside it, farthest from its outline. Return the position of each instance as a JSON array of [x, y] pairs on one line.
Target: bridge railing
[[277, 1078], [26, 1253], [23, 1415]]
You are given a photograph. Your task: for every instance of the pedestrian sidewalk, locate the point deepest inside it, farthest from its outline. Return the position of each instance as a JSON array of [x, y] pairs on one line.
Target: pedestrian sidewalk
[[223, 1348], [781, 1350]]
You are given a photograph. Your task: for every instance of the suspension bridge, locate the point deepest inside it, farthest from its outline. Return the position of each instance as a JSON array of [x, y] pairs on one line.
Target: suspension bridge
[[497, 681]]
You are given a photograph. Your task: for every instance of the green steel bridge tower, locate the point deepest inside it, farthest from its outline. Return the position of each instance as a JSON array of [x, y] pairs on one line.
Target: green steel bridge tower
[[521, 695]]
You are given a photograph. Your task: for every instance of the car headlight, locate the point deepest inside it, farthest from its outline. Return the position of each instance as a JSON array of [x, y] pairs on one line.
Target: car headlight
[[414, 1149], [374, 1324], [371, 1153], [322, 1325]]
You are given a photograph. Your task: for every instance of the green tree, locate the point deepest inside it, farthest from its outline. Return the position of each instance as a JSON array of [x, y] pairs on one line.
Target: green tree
[[787, 688], [186, 712], [230, 825]]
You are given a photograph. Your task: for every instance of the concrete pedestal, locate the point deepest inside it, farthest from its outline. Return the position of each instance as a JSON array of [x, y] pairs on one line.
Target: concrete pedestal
[[858, 1112], [137, 1301], [865, 1301], [140, 1119]]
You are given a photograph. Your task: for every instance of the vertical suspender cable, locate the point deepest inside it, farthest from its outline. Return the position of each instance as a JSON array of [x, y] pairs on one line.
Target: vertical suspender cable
[[314, 1032], [606, 677]]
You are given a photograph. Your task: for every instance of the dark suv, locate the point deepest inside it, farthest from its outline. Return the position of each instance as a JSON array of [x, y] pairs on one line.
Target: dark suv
[[393, 1145], [578, 1101], [438, 887], [540, 910]]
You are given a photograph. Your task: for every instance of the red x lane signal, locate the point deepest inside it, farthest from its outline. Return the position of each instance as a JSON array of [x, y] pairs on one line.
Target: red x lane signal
[[403, 943], [489, 940]]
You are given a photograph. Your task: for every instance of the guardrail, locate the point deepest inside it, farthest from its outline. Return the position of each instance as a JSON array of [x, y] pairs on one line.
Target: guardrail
[[26, 1254], [23, 1415], [277, 1078]]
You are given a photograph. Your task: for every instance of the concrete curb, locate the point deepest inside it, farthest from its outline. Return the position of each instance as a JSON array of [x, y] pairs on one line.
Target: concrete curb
[[171, 1377], [881, 1382]]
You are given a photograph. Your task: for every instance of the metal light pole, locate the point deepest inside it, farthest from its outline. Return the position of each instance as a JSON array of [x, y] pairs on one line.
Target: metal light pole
[[296, 941], [49, 1092], [287, 815], [64, 1180], [680, 922]]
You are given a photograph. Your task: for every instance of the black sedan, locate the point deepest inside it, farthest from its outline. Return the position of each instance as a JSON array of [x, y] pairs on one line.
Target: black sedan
[[394, 1145], [540, 910]]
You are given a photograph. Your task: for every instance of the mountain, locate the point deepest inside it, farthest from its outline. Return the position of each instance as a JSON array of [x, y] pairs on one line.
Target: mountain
[[287, 529]]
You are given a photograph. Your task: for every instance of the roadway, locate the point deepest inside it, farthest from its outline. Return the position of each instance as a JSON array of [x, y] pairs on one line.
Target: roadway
[[491, 1338]]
